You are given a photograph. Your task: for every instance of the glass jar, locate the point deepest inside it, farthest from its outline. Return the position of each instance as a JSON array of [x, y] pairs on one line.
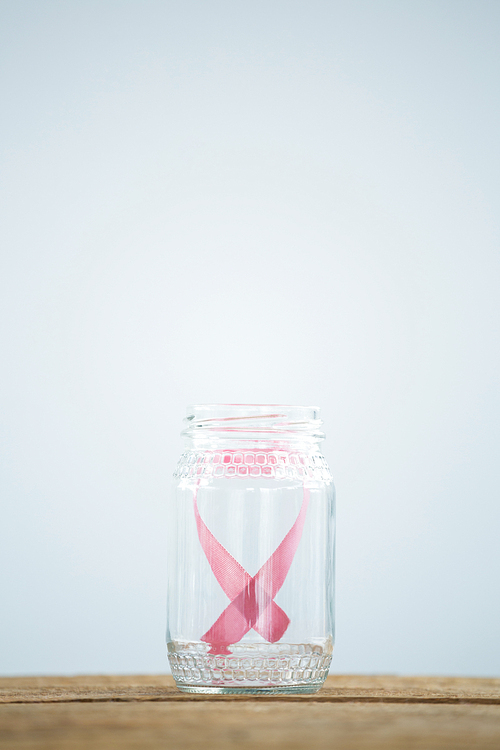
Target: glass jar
[[250, 603]]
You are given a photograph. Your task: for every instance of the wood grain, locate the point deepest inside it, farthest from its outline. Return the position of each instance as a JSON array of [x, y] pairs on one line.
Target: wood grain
[[349, 713]]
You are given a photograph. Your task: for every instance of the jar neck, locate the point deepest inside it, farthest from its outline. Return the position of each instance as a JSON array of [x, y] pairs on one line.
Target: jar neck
[[252, 427], [232, 445]]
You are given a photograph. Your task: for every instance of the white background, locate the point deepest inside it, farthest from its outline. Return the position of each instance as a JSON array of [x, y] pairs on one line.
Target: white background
[[275, 201]]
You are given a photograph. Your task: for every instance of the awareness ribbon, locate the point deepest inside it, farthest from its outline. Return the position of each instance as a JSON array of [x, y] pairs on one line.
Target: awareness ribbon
[[252, 602]]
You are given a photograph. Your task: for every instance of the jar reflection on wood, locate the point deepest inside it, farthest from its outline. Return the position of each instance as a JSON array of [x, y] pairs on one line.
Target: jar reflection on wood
[[251, 552]]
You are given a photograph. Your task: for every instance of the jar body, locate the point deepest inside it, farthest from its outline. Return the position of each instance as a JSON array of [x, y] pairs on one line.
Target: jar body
[[251, 568]]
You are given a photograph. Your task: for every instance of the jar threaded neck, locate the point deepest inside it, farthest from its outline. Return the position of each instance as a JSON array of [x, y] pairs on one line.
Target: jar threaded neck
[[253, 422]]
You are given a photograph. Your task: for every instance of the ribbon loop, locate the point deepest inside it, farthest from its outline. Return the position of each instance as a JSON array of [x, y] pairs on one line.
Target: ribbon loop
[[252, 602]]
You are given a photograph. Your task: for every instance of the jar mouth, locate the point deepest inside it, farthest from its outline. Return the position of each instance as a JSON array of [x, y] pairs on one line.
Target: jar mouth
[[252, 421]]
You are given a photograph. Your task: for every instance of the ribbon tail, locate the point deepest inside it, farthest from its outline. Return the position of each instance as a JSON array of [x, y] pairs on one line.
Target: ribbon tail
[[232, 577], [268, 620], [274, 571]]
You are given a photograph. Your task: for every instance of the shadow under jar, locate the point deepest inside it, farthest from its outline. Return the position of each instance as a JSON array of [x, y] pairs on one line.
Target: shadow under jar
[[250, 603]]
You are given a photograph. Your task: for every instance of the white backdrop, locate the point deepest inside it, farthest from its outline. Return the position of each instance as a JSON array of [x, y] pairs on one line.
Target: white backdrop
[[225, 201]]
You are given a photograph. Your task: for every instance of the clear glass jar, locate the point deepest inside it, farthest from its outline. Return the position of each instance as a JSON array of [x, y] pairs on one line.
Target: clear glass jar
[[250, 603]]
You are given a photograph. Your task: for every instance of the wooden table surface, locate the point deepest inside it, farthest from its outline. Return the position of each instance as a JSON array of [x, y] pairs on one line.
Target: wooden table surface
[[351, 712]]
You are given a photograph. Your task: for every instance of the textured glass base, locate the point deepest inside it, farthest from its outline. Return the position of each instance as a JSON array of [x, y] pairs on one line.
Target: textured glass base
[[254, 669]]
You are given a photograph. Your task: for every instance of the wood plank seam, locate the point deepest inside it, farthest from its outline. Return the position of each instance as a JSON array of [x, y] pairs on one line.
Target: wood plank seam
[[444, 700]]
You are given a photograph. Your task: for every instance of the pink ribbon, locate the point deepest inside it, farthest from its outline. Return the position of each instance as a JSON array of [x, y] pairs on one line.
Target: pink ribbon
[[252, 602]]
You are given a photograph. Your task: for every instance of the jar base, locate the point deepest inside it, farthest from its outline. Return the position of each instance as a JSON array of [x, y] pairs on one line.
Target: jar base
[[271, 690], [250, 668]]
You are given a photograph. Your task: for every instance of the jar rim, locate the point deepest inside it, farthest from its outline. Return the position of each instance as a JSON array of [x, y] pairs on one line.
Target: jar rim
[[254, 421]]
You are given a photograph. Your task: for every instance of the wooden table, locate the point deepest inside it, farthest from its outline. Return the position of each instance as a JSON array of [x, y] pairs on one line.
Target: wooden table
[[349, 713]]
